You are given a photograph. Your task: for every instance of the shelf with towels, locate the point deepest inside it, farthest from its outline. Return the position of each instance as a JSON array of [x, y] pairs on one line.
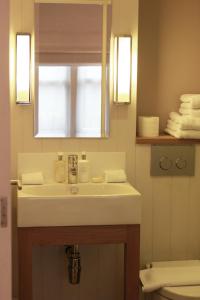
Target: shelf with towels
[[165, 139]]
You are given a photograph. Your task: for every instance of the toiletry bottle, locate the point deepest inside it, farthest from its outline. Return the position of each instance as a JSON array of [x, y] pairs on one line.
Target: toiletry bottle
[[83, 169], [60, 168], [73, 168]]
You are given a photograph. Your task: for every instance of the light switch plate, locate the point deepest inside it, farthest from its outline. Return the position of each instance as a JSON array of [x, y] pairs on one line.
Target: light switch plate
[[3, 212], [172, 160]]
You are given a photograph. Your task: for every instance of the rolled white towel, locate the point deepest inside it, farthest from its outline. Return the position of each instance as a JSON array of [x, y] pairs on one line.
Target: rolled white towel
[[184, 122], [32, 178], [190, 112], [115, 175], [184, 134]]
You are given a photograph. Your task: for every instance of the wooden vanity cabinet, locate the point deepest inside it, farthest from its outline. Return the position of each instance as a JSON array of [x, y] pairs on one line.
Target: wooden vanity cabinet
[[129, 235]]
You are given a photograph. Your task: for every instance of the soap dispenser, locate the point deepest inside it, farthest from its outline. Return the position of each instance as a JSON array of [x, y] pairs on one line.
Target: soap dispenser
[[60, 168], [83, 169]]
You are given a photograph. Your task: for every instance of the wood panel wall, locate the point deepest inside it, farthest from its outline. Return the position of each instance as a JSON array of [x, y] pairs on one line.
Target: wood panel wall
[[170, 212]]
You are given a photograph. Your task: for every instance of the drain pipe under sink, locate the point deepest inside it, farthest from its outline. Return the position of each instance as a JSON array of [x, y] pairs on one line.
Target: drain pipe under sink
[[74, 263]]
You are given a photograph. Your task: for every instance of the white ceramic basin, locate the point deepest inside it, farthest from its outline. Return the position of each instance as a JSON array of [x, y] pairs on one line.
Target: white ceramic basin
[[80, 204]]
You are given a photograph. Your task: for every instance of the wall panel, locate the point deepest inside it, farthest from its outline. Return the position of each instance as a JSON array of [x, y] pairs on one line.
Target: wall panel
[[170, 212]]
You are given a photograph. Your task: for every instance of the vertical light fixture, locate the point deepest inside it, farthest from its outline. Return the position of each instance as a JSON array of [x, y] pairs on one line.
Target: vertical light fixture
[[23, 66], [122, 69]]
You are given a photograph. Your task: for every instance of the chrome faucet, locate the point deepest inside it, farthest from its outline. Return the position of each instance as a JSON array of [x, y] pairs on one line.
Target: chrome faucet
[[72, 168]]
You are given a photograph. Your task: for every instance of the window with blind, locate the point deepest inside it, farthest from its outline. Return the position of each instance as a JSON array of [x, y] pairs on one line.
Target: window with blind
[[69, 101], [69, 69]]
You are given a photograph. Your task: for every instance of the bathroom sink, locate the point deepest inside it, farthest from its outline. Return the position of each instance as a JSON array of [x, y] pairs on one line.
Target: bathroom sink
[[83, 189], [78, 204]]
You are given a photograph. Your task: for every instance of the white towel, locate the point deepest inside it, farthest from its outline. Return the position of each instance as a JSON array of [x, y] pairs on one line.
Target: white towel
[[175, 117], [186, 122], [32, 178], [190, 105], [173, 125], [186, 105], [184, 134], [156, 278], [190, 112], [193, 99], [115, 175]]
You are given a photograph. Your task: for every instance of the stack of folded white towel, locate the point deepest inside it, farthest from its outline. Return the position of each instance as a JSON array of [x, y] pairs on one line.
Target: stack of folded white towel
[[186, 125]]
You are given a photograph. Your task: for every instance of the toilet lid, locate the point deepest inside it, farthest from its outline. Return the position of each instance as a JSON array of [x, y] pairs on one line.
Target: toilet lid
[[181, 292]]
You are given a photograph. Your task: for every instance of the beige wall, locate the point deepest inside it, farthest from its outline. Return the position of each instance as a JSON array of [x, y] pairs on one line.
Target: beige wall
[[102, 275], [168, 66], [122, 133], [5, 232], [169, 48], [169, 60]]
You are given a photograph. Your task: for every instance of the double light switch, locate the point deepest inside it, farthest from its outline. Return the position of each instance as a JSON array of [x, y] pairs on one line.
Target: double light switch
[[172, 160]]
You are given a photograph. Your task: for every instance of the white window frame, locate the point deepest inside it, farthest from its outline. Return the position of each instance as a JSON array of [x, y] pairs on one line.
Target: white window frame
[[104, 94], [71, 118]]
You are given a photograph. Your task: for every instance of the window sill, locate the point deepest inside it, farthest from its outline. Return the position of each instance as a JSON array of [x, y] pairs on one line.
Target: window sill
[[165, 139]]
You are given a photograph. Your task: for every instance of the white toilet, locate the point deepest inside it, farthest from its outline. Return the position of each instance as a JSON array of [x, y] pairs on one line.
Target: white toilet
[[177, 293]]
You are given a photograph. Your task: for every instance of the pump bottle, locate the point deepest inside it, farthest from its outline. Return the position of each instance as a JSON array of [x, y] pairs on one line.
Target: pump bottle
[[83, 169], [60, 168]]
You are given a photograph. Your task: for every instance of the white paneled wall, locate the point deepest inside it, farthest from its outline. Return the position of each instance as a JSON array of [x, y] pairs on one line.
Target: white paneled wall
[[170, 228], [101, 275]]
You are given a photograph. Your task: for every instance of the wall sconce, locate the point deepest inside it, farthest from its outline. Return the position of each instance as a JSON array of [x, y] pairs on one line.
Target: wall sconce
[[122, 69], [23, 66]]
